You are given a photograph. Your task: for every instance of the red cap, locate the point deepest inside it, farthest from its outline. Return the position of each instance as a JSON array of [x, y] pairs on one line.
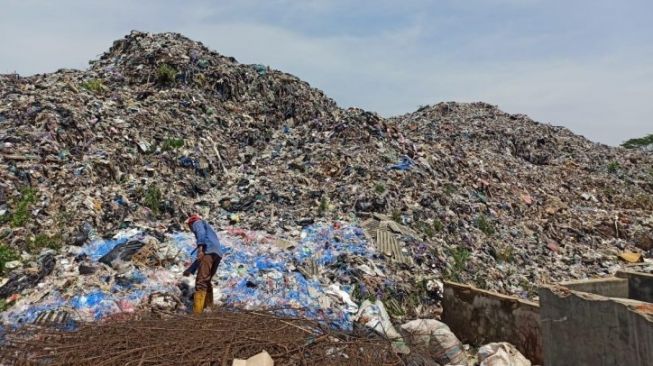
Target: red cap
[[192, 219]]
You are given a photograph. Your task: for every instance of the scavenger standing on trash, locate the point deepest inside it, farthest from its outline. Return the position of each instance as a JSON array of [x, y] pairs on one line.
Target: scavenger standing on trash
[[209, 253]]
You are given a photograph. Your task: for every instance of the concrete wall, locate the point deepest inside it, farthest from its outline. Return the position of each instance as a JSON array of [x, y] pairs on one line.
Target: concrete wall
[[587, 329], [608, 287], [479, 317], [640, 285]]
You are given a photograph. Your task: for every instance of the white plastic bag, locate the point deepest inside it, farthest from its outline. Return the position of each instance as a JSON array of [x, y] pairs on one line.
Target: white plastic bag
[[448, 350], [501, 354], [374, 316]]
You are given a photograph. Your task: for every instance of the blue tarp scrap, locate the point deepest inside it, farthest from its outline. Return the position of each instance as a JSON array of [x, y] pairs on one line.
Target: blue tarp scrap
[[404, 164], [98, 248]]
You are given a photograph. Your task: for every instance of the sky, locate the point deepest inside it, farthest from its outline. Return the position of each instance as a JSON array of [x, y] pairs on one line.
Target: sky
[[583, 64]]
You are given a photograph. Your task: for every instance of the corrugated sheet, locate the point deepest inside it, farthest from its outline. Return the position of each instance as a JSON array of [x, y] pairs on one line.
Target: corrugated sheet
[[53, 317], [385, 233], [387, 244]]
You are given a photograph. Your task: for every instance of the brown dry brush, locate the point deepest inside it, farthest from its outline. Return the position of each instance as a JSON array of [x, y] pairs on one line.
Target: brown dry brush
[[215, 338]]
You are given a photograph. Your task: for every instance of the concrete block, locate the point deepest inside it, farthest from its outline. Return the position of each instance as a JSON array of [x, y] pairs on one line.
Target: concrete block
[[640, 285], [480, 317], [608, 287], [586, 329]]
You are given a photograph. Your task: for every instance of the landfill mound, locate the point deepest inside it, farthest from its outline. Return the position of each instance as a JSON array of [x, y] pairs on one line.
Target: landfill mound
[[160, 126]]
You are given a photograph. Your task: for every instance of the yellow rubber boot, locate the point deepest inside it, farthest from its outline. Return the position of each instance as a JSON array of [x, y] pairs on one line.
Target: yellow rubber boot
[[198, 302]]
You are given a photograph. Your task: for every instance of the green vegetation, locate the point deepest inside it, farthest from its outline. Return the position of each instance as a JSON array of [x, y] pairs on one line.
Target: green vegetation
[[426, 229], [639, 142], [613, 167], [153, 198], [21, 213], [396, 216], [449, 189], [484, 224], [6, 255], [94, 85], [166, 74], [324, 205], [528, 286], [379, 188], [438, 226], [506, 254], [41, 241], [430, 229], [460, 258], [172, 144]]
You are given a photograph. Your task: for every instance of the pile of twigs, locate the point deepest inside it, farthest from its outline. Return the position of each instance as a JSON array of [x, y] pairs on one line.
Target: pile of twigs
[[212, 339]]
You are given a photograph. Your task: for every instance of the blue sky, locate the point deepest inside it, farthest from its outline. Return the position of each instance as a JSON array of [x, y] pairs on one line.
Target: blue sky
[[586, 65]]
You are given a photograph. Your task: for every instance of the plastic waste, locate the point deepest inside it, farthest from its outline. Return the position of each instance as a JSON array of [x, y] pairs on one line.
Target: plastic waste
[[344, 297], [261, 359], [404, 164], [255, 273], [375, 317], [445, 346], [501, 354]]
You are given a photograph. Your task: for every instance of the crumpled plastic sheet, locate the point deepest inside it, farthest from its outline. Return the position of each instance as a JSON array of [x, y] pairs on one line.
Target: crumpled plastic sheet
[[404, 164], [252, 275], [99, 247], [259, 275]]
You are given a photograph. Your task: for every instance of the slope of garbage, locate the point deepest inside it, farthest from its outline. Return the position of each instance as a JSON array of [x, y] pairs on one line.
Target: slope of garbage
[[134, 271], [160, 126]]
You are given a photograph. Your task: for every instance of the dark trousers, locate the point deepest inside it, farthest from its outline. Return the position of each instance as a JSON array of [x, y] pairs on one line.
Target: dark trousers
[[208, 266]]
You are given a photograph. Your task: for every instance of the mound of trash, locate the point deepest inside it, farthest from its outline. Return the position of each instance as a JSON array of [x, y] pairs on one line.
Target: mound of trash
[[160, 126], [314, 278]]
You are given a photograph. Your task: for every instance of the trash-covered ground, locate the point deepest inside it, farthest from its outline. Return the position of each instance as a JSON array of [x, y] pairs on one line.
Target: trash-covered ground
[[160, 126], [340, 216], [314, 278]]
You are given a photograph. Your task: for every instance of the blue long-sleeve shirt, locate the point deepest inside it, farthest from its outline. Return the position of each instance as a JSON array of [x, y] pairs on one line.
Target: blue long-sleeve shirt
[[207, 237]]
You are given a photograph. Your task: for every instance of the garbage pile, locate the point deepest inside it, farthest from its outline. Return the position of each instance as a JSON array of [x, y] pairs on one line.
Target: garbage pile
[[322, 277], [160, 126]]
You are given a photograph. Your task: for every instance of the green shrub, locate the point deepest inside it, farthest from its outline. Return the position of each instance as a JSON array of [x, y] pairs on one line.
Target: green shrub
[[21, 213], [166, 74], [3, 305], [449, 189], [426, 229], [172, 144], [396, 216], [94, 85], [506, 254], [485, 225], [6, 255], [41, 241], [324, 205], [379, 188], [638, 142], [613, 167], [153, 198], [460, 257], [438, 226]]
